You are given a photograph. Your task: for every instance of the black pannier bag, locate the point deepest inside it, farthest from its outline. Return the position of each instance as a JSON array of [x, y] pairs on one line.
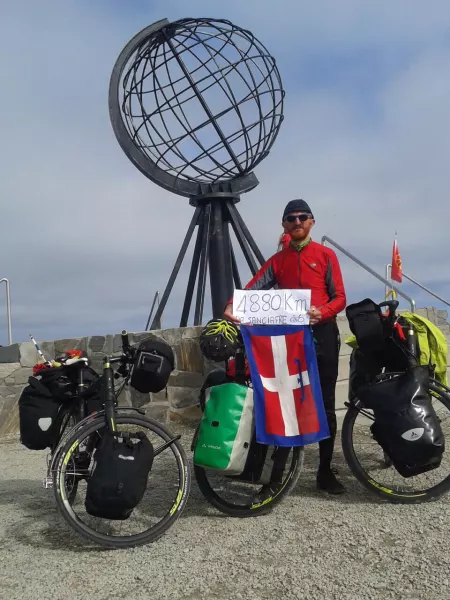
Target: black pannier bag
[[363, 369], [366, 323], [153, 364], [39, 405], [406, 425], [119, 476]]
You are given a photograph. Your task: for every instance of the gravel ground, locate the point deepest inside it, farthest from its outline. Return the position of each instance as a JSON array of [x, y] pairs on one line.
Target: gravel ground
[[312, 546]]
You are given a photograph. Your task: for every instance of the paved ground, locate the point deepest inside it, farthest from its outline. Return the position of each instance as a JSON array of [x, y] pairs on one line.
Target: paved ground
[[311, 547]]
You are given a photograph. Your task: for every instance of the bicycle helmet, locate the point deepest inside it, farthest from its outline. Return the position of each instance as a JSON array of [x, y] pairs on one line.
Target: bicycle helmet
[[219, 340]]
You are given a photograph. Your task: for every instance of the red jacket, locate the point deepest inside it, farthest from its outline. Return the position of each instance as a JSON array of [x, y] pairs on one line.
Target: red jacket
[[313, 267]]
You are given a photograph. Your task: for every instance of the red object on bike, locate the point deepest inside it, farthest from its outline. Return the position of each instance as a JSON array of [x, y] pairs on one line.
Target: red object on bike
[[74, 353], [400, 331], [231, 368], [39, 366]]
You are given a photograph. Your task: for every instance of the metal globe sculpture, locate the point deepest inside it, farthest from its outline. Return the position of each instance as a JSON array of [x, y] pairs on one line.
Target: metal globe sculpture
[[196, 105]]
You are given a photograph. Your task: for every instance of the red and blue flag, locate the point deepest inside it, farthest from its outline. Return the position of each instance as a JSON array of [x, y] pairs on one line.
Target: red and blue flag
[[287, 395]]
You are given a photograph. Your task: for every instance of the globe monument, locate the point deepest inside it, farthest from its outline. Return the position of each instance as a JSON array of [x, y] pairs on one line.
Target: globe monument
[[196, 106]]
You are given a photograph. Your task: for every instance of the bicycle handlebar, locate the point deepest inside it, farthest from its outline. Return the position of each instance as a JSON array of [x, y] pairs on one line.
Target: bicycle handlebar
[[125, 341]]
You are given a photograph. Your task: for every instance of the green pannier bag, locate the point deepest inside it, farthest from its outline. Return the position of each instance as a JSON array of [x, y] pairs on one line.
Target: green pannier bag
[[226, 429]]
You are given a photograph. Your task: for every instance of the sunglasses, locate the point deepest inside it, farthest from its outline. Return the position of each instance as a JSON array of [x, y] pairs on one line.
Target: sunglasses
[[293, 218]]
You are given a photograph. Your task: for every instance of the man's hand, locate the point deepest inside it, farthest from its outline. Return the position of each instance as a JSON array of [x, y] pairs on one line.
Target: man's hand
[[228, 314], [314, 315]]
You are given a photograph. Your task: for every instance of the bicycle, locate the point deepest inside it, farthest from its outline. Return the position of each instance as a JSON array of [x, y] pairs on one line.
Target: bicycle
[[243, 500], [71, 455], [405, 493]]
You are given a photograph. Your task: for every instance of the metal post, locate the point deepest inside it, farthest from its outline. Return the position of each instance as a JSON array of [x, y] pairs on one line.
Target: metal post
[[158, 324], [220, 273], [8, 309], [388, 276]]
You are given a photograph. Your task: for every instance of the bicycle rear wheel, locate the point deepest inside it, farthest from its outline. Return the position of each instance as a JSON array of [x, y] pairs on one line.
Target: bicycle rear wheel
[[375, 471], [168, 500]]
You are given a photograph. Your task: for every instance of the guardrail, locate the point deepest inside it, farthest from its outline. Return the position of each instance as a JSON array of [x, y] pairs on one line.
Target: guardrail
[[386, 282], [388, 276], [8, 309]]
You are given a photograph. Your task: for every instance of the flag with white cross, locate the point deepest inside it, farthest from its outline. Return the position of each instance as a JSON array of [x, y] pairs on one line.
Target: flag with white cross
[[287, 396]]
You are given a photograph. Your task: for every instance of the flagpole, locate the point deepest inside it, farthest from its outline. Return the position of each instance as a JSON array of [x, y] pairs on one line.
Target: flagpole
[[389, 271]]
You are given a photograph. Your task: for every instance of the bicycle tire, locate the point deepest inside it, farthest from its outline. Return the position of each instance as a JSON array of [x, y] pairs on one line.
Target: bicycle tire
[[392, 496], [258, 508], [142, 538]]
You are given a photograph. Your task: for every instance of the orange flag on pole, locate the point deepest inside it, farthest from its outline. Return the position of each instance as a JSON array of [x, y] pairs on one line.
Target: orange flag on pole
[[396, 268]]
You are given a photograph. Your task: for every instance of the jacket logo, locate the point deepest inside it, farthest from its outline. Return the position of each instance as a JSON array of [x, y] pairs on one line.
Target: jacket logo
[[312, 264]]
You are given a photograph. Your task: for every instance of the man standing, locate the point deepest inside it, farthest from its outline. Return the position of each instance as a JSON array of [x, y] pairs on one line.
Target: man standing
[[305, 264]]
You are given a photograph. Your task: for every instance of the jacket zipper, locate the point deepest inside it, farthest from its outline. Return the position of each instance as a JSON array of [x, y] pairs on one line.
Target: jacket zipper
[[298, 268]]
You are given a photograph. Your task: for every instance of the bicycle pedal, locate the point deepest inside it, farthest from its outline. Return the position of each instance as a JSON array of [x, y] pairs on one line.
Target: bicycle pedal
[[48, 483]]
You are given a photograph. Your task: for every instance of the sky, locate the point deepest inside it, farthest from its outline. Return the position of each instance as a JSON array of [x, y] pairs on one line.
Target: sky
[[86, 240]]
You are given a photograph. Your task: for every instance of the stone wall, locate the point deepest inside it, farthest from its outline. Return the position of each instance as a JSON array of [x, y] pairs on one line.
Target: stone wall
[[178, 402]]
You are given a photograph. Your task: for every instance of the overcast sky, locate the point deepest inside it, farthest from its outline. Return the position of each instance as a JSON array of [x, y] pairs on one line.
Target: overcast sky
[[86, 239]]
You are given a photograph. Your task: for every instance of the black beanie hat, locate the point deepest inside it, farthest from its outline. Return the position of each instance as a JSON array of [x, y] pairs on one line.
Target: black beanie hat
[[297, 205]]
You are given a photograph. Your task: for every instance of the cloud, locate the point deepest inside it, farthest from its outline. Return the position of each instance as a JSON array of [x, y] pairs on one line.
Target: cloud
[[86, 239]]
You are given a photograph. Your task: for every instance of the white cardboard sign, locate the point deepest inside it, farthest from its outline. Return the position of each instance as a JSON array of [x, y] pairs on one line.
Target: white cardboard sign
[[272, 307]]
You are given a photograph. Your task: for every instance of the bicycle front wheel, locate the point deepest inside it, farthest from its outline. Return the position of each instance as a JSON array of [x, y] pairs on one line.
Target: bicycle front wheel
[[236, 498], [163, 502], [376, 472]]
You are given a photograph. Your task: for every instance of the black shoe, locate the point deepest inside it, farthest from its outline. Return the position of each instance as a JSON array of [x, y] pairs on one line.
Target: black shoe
[[326, 481]]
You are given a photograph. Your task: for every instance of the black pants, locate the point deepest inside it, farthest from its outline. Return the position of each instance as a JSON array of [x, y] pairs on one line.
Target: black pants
[[328, 342]]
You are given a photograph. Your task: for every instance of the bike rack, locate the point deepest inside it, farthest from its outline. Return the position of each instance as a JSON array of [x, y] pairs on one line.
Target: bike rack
[[8, 309], [386, 282], [388, 276]]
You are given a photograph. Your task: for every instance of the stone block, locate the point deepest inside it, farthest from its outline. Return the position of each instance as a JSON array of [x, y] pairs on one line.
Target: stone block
[[29, 355], [172, 336], [159, 396], [117, 343], [9, 415], [344, 367], [442, 316], [10, 354], [343, 326], [191, 332], [7, 390], [96, 344], [124, 398], [345, 350], [19, 376], [188, 356], [7, 369], [64, 344], [157, 411], [181, 397], [186, 379], [186, 416], [341, 394], [138, 399], [137, 337]]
